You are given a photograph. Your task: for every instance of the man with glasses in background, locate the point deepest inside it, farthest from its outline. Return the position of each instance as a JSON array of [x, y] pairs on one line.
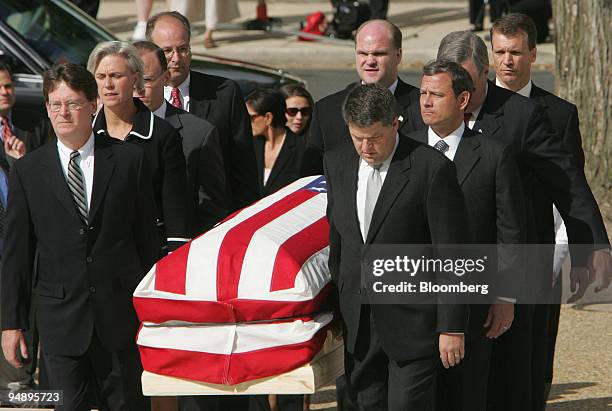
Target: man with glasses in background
[[215, 99]]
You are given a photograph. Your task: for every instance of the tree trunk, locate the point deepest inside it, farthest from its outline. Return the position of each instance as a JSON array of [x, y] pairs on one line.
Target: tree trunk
[[584, 76]]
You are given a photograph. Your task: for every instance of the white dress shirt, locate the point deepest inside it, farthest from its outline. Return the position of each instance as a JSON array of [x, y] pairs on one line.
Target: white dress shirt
[[86, 162], [183, 89], [525, 91], [453, 140], [362, 181]]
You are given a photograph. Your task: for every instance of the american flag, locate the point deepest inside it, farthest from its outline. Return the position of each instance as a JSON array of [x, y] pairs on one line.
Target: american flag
[[244, 300]]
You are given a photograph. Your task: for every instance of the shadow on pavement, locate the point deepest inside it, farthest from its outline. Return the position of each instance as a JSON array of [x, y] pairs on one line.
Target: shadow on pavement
[[590, 404]]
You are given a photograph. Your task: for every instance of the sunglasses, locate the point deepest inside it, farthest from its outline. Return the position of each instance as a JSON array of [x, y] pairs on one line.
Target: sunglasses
[[292, 111]]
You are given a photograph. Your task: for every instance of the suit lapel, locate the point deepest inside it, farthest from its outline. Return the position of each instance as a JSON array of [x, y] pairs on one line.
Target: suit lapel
[[489, 118], [467, 155], [173, 116], [283, 157], [396, 179], [404, 95], [56, 180], [198, 104], [348, 190], [103, 170]]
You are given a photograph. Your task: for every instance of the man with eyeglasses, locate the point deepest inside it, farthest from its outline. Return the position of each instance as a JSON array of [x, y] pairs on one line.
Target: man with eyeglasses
[[83, 205], [201, 147], [215, 99]]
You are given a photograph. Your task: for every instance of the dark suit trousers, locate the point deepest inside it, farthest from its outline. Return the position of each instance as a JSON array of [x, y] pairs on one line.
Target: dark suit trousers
[[464, 386], [376, 382], [114, 378], [510, 383]]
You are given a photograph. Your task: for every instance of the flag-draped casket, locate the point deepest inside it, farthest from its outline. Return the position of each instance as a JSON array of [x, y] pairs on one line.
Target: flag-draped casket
[[245, 300]]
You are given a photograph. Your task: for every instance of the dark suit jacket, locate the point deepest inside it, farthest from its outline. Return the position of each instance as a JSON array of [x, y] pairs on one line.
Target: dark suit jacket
[[328, 130], [205, 169], [564, 118], [490, 180], [420, 203], [524, 126], [164, 154], [219, 101], [286, 168], [86, 274]]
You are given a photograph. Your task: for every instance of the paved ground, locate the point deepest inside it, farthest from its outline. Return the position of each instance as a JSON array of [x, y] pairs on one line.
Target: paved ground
[[583, 368]]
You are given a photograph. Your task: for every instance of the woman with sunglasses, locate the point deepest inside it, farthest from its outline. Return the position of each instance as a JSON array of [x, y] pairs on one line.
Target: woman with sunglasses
[[299, 108], [118, 70], [278, 150]]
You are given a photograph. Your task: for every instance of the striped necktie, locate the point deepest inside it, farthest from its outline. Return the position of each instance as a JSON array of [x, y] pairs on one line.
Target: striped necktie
[[6, 129], [76, 183], [441, 146]]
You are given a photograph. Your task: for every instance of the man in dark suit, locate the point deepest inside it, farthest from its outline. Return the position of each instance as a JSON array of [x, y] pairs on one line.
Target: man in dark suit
[[215, 99], [201, 147], [491, 184], [378, 53], [84, 204], [513, 42], [389, 189], [524, 126], [19, 131]]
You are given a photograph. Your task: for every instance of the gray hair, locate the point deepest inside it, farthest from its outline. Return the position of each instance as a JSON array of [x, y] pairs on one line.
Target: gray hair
[[459, 46], [461, 79], [367, 104], [122, 49]]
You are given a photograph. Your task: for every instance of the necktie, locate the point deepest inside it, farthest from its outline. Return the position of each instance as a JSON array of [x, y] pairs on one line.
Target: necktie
[[441, 146], [175, 98], [466, 119], [373, 187], [76, 183], [6, 130]]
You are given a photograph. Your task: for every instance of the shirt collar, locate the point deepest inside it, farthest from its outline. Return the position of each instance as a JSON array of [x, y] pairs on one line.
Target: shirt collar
[[143, 122], [161, 111], [183, 87], [85, 151], [525, 91], [453, 139], [392, 87], [385, 165], [476, 112]]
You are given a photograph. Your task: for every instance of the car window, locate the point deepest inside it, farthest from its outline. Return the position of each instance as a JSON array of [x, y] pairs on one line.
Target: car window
[[55, 34]]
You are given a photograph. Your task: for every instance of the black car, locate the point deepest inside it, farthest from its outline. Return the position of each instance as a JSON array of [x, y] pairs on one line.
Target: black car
[[35, 34]]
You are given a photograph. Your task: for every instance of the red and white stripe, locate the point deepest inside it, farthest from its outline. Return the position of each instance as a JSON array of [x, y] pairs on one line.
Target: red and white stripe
[[266, 262]]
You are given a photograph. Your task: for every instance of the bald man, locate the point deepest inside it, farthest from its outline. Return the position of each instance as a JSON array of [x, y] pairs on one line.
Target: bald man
[[378, 53]]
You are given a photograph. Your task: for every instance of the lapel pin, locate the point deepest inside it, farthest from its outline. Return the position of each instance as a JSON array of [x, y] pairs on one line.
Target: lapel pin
[[401, 118]]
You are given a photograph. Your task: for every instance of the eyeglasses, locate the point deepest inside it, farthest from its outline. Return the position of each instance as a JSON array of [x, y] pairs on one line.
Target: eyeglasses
[[292, 111], [148, 79], [254, 116], [56, 106], [182, 51]]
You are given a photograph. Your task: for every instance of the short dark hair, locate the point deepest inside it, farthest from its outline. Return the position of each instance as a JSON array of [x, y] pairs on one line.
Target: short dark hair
[[512, 24], [296, 90], [7, 67], [268, 101], [76, 77], [396, 33], [174, 14], [149, 47], [367, 104], [461, 79]]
